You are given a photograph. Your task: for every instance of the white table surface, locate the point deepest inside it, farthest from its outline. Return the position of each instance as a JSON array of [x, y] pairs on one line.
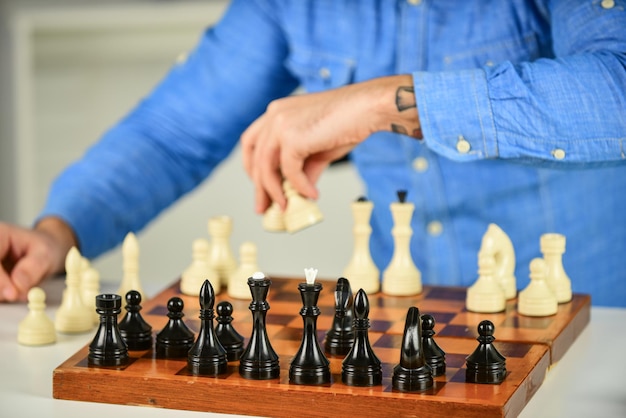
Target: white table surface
[[589, 381]]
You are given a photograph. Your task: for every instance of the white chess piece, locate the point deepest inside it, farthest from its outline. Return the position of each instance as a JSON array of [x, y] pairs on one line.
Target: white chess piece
[[199, 270], [486, 294], [498, 243], [73, 316], [537, 299], [401, 277], [553, 247], [300, 213], [130, 266], [361, 270], [36, 328], [238, 284], [274, 219], [221, 257], [89, 287]]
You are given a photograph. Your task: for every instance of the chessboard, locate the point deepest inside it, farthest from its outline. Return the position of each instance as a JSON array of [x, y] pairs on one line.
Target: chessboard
[[530, 346]]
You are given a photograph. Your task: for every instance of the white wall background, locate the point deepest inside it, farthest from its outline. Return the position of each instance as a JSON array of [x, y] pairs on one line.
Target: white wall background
[[75, 69]]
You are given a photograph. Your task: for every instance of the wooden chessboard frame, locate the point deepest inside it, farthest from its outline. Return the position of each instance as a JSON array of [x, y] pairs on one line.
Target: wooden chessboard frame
[[147, 381]]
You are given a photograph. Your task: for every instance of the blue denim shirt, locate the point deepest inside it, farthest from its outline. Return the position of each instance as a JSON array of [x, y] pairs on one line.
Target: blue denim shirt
[[522, 106]]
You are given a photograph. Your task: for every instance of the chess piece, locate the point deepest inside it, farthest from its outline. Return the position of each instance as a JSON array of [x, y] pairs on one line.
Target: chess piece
[[199, 270], [413, 373], [175, 339], [401, 277], [207, 356], [89, 287], [498, 243], [230, 339], [340, 336], [361, 270], [433, 354], [130, 265], [220, 255], [73, 316], [486, 295], [309, 366], [108, 348], [485, 364], [361, 367], [259, 361], [238, 281], [274, 219], [553, 247], [135, 331], [36, 328], [537, 299], [300, 213]]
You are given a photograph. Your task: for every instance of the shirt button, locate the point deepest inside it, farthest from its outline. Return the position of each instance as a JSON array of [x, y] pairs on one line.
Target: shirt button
[[489, 63], [607, 4], [420, 164], [434, 228], [558, 153], [324, 73], [462, 145], [414, 2]]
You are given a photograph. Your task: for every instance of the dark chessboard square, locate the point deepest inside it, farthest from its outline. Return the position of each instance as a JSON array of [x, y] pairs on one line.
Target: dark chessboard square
[[456, 331], [512, 350], [442, 317], [455, 360], [159, 310], [381, 302], [528, 322], [389, 341], [447, 293], [231, 368], [377, 325], [459, 376], [85, 363]]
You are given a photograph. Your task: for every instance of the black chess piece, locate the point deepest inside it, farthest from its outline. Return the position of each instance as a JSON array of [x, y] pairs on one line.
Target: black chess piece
[[175, 339], [207, 356], [230, 339], [259, 361], [108, 348], [361, 367], [135, 331], [434, 355], [485, 364], [340, 336], [309, 366], [413, 374]]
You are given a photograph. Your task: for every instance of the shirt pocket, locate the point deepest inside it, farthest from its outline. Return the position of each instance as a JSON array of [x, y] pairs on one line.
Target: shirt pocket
[[320, 71], [515, 49]]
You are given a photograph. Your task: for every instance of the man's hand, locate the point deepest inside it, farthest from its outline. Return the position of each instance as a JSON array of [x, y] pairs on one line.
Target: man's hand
[[299, 136], [30, 255]]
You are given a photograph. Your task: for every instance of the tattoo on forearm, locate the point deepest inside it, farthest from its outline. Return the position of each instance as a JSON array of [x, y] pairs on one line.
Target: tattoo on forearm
[[399, 129], [405, 98]]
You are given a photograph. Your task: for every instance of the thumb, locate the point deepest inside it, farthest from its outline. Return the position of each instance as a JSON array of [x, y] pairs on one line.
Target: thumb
[[28, 272]]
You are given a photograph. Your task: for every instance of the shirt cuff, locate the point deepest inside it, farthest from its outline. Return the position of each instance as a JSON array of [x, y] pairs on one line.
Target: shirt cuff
[[455, 114]]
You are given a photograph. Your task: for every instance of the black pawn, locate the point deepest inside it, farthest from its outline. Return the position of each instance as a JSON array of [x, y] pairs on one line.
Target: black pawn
[[135, 331], [361, 367], [434, 355], [340, 336], [175, 339], [230, 339], [309, 366], [413, 373], [259, 361], [207, 356], [485, 364], [108, 348]]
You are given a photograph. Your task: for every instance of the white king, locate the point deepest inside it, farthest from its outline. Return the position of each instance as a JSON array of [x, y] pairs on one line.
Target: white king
[[310, 275]]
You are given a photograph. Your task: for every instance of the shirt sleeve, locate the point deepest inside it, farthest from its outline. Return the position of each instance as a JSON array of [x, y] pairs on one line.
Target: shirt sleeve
[[178, 134], [566, 111]]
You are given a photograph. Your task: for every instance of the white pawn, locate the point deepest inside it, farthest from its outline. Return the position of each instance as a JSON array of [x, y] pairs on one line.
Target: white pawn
[[221, 257], [90, 287], [497, 242], [401, 277], [130, 266], [361, 271], [73, 316], [537, 299], [36, 328], [486, 295], [238, 284], [199, 270], [301, 212], [553, 247]]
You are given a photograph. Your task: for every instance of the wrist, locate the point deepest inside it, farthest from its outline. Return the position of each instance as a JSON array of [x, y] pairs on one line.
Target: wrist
[[397, 107], [60, 238]]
